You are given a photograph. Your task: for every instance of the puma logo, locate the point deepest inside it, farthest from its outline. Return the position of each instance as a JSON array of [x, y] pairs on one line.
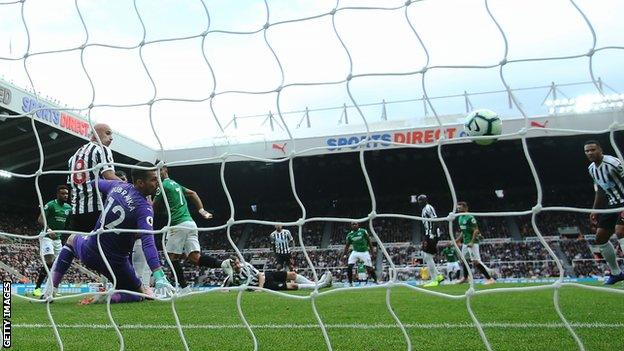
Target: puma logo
[[282, 147], [539, 125]]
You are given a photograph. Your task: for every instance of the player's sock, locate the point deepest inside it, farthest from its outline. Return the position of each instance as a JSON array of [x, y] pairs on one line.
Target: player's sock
[[466, 276], [299, 279], [457, 274], [177, 267], [433, 272], [483, 270], [121, 298], [372, 274], [62, 263], [309, 286], [608, 253], [42, 275], [208, 261], [350, 273]]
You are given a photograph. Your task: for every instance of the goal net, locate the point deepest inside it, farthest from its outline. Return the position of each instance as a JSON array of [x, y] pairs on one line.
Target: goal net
[[225, 91]]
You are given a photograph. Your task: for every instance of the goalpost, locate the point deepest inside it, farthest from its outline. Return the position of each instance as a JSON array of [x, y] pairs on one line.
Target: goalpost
[[332, 17]]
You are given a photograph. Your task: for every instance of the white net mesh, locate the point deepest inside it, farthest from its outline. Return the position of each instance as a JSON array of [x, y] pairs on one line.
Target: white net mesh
[[278, 82]]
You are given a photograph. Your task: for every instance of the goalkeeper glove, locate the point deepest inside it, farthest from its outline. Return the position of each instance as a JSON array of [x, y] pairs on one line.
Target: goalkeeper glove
[[161, 283]]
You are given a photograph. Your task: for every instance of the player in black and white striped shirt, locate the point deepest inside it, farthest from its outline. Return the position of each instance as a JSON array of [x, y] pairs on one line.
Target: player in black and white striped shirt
[[84, 200], [244, 273], [281, 242], [608, 176], [431, 235]]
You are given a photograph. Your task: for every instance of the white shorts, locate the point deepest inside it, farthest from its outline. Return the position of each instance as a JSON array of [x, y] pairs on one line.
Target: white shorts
[[183, 239], [471, 252], [364, 256], [139, 262], [452, 266], [49, 246]]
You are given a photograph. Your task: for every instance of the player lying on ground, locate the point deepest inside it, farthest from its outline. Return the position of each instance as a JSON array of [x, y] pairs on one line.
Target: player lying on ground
[[245, 273], [56, 213], [125, 207], [608, 175], [452, 265]]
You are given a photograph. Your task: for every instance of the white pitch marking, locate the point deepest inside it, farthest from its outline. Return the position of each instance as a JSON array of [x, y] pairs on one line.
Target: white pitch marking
[[329, 326]]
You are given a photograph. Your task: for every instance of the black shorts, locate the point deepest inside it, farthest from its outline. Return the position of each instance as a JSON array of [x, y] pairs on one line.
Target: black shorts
[[282, 259], [610, 220], [83, 222], [275, 280], [429, 245]]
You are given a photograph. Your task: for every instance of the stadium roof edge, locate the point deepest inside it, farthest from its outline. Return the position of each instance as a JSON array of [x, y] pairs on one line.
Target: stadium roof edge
[[558, 125], [22, 102]]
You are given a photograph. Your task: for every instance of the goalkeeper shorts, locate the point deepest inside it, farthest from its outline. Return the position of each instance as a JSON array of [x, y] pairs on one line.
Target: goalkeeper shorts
[[86, 250]]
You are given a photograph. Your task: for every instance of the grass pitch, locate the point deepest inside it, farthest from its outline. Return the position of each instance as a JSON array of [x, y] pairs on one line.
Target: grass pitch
[[356, 320]]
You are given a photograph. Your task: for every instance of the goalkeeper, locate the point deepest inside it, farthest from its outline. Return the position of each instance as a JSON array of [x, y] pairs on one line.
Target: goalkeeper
[[126, 207]]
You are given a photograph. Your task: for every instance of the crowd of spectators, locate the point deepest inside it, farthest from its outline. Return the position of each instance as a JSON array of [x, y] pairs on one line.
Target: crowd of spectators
[[259, 235], [217, 239], [549, 223], [24, 258], [509, 259], [20, 224], [494, 227], [389, 230]]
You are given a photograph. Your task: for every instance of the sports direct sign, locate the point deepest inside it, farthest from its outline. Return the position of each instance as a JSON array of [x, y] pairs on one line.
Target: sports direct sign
[[56, 117], [397, 138], [416, 136], [21, 102]]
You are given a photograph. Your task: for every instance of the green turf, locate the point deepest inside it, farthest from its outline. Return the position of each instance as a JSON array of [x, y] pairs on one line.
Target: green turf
[[435, 323]]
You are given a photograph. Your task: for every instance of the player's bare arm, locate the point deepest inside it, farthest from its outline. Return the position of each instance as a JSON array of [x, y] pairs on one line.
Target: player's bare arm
[[197, 202], [370, 245], [475, 235], [272, 241], [261, 279], [346, 250], [50, 234], [600, 201]]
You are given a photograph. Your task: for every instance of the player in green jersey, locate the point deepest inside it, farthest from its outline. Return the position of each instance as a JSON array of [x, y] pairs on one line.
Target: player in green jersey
[[452, 264], [469, 242], [362, 250], [56, 213], [182, 239]]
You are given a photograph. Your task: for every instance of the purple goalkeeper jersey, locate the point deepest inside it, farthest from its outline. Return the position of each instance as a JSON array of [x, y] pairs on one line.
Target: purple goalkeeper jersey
[[124, 208]]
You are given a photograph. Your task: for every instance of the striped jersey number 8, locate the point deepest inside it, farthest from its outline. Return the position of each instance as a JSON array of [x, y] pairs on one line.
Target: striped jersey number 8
[[118, 210], [81, 177]]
